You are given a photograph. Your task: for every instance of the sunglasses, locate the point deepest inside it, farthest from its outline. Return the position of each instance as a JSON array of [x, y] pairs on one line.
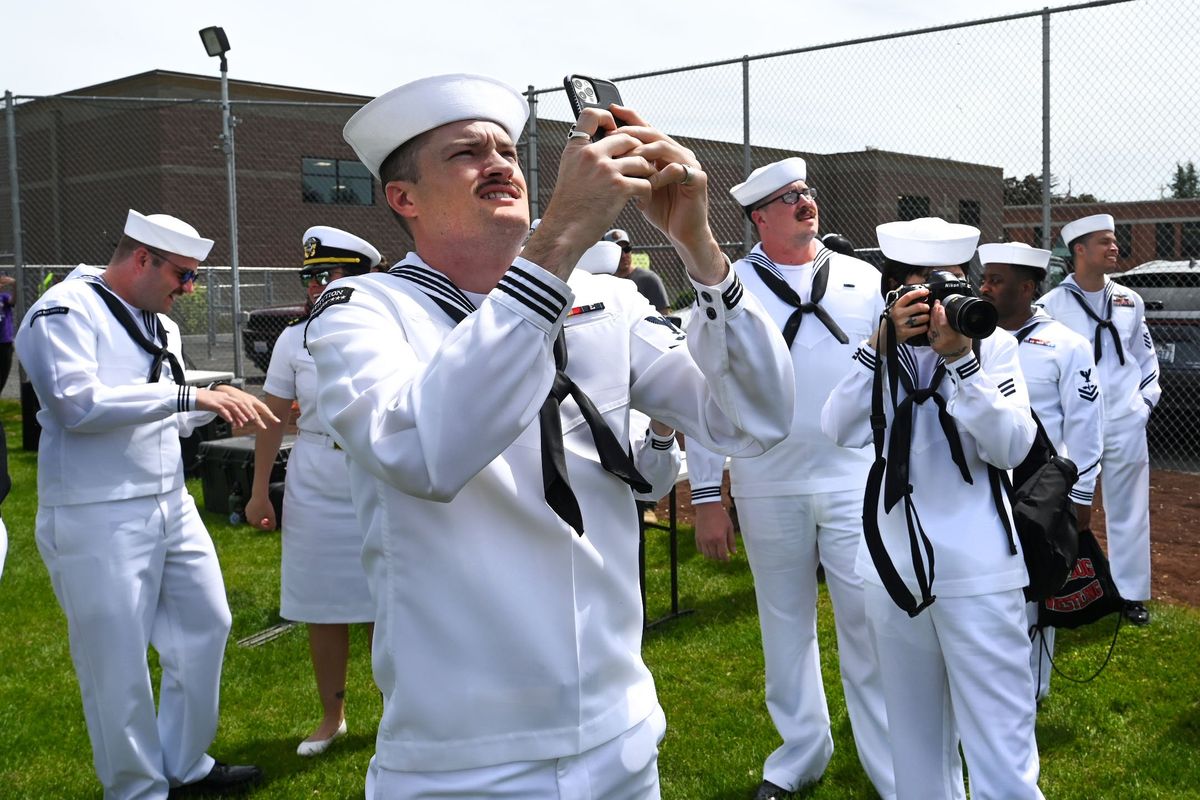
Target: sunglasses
[[791, 198], [185, 277], [322, 277]]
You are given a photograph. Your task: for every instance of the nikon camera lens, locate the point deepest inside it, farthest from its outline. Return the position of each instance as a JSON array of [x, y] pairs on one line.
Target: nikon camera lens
[[970, 316]]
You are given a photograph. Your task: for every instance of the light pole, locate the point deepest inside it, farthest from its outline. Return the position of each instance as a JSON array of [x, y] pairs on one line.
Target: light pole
[[216, 43]]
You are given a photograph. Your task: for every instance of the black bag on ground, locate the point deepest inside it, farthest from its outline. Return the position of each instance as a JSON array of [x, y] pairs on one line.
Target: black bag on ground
[[1089, 593], [1042, 512]]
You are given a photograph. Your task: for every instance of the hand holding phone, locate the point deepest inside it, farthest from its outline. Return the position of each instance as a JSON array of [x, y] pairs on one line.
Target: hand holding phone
[[584, 92]]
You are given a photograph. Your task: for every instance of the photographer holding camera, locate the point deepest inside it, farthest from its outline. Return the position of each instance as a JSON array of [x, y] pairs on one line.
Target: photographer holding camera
[[958, 667]]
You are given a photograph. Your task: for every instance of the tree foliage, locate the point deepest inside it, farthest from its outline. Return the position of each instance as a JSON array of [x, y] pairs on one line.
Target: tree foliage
[[1185, 183], [1027, 191]]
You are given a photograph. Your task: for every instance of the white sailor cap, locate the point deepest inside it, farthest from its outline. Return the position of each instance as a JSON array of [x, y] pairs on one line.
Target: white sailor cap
[[167, 233], [602, 258], [928, 242], [771, 178], [390, 120], [619, 236], [333, 247], [1097, 222], [1017, 253]]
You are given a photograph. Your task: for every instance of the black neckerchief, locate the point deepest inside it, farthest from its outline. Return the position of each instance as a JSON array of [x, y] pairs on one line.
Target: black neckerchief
[[1076, 291], [157, 350], [616, 460], [769, 273]]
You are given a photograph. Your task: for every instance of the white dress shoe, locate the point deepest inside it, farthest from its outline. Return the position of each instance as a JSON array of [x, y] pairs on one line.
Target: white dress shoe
[[311, 748]]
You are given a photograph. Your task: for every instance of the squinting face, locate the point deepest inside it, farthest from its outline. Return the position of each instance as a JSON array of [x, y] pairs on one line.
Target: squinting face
[[780, 222], [1002, 287], [160, 281], [469, 183], [1097, 251]]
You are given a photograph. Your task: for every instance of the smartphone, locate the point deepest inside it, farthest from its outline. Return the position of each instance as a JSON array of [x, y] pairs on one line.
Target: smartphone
[[584, 92]]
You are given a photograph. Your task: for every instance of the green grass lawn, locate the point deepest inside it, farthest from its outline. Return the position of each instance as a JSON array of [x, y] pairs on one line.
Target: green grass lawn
[[1133, 733]]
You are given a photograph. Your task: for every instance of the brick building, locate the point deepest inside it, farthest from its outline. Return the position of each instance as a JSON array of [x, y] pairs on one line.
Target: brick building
[[1146, 230], [150, 142]]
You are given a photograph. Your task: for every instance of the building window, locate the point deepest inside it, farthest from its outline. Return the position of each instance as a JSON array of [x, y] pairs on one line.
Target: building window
[[1124, 233], [336, 181], [911, 206], [968, 212], [1164, 240], [1189, 239]]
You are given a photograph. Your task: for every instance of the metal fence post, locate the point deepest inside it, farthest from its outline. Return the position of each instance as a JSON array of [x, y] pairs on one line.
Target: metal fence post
[[1046, 237], [532, 157], [747, 231], [227, 124], [14, 194]]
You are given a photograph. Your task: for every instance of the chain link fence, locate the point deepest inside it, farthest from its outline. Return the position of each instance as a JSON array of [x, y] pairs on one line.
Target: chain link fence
[[962, 121]]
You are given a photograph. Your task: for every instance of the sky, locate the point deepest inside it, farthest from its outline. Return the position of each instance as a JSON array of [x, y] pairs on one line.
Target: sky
[[366, 47], [1125, 82]]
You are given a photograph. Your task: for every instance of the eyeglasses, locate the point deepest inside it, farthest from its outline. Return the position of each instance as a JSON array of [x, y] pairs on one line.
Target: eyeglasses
[[323, 277], [791, 197], [186, 277]]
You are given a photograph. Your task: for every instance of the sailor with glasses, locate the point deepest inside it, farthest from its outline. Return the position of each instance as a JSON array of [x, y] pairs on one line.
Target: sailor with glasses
[[800, 503], [323, 582], [129, 557]]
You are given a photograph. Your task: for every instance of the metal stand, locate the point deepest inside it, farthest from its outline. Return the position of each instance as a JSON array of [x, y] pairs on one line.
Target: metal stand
[[673, 540]]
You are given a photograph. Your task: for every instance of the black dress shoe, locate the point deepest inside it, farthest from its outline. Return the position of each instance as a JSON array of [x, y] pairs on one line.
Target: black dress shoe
[[222, 779], [769, 791], [1136, 613]]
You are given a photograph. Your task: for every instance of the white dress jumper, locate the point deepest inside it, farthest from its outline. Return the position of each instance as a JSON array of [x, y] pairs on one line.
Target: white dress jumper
[[322, 576]]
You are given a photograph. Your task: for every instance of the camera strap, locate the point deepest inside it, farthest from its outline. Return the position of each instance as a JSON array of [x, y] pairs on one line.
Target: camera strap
[[771, 277], [917, 539]]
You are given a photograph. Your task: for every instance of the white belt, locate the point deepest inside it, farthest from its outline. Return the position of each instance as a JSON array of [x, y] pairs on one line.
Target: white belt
[[323, 439]]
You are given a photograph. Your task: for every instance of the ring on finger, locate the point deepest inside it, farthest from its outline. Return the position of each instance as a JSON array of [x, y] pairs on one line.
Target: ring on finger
[[575, 133], [687, 175]]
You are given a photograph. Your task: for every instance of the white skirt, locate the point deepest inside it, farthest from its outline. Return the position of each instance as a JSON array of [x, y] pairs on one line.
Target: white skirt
[[323, 580]]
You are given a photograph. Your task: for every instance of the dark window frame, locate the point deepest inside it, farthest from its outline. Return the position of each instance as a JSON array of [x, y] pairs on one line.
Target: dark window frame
[[352, 184], [1165, 245], [911, 206], [970, 212]]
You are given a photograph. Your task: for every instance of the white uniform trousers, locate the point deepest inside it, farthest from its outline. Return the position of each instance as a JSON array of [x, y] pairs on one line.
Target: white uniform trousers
[[1125, 478], [624, 768], [784, 539], [129, 574], [959, 670], [1040, 653]]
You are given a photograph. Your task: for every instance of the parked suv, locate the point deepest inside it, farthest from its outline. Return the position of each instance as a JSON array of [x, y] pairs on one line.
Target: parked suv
[[1171, 290], [263, 327]]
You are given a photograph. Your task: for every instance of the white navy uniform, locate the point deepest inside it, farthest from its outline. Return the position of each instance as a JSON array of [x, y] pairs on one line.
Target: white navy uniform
[[129, 558], [657, 458], [501, 635], [1065, 394], [322, 578], [1131, 391], [799, 503], [962, 665]]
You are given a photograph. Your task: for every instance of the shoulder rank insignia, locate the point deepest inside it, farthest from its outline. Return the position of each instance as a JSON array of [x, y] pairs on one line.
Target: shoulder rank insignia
[[1088, 391], [47, 312], [334, 295]]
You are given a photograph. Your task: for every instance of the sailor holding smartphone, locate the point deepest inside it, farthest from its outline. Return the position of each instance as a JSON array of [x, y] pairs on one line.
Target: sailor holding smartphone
[[482, 393]]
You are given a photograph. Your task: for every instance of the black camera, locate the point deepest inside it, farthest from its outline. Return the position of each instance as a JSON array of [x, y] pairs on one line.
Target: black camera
[[965, 311]]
